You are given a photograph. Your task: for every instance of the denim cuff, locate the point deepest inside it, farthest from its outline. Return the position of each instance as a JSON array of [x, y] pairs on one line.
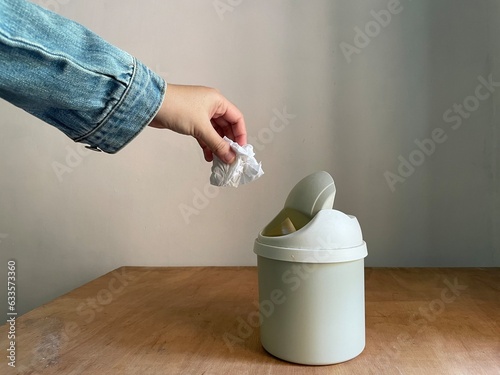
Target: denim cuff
[[136, 108]]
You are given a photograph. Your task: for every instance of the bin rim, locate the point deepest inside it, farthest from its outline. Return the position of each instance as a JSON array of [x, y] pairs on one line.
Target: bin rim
[[318, 255]]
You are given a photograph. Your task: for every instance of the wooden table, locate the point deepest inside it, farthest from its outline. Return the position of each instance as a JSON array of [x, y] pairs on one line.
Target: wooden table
[[138, 320]]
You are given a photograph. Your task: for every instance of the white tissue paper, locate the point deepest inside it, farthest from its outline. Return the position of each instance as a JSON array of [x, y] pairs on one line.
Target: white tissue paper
[[244, 169]]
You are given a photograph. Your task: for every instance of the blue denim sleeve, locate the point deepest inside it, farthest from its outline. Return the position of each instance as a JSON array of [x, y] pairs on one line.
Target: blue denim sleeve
[[71, 78]]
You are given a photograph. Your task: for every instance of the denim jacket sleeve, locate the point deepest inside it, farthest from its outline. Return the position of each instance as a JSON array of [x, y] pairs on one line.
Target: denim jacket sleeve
[[69, 77]]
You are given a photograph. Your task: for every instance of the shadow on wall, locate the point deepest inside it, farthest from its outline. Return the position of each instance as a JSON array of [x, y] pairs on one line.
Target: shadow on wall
[[414, 145]]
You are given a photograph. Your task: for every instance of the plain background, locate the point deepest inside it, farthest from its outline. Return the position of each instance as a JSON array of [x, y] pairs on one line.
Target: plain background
[[151, 204]]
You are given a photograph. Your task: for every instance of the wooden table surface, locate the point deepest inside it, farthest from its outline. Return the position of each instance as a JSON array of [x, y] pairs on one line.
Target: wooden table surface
[[198, 320]]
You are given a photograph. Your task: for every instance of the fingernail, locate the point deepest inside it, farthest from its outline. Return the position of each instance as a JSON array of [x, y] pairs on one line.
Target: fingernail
[[229, 158]]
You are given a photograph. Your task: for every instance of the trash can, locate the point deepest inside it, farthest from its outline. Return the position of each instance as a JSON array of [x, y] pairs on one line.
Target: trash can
[[311, 278]]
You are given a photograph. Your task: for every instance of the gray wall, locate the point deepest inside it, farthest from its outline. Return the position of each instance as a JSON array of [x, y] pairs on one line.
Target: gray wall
[[361, 104]]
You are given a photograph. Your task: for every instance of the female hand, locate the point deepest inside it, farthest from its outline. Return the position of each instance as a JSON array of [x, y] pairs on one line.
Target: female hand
[[205, 114]]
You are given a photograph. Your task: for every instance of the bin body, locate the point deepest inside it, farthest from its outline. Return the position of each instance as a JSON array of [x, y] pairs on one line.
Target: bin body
[[312, 313], [311, 278]]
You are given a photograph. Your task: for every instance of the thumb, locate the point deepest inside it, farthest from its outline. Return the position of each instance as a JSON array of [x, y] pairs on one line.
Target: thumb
[[218, 146]]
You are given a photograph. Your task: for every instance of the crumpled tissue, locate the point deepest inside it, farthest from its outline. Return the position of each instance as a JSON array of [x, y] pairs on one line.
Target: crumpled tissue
[[243, 170]]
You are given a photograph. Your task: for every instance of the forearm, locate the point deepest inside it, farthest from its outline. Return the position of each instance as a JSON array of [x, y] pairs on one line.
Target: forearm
[[69, 77]]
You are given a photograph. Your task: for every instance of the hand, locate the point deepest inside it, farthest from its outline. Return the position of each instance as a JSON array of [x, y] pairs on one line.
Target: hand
[[205, 114]]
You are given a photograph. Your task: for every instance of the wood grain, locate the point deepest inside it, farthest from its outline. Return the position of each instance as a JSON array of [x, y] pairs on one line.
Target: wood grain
[[138, 320]]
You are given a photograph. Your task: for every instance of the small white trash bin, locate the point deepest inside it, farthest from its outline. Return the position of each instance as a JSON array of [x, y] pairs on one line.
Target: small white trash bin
[[311, 278]]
